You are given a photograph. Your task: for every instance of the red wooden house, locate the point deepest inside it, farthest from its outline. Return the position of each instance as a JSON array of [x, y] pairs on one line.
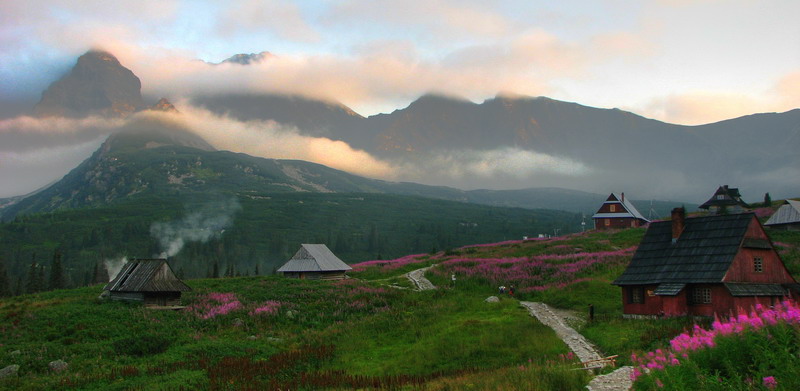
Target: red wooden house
[[618, 212], [704, 266]]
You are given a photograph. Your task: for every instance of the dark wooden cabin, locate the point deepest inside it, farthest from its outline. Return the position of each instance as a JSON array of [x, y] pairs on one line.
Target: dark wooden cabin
[[150, 281], [618, 212], [787, 217], [315, 262], [725, 200], [704, 266]]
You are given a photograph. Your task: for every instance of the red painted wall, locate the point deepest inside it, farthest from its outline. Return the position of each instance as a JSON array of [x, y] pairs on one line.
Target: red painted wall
[[617, 223], [742, 270], [722, 304], [652, 304]]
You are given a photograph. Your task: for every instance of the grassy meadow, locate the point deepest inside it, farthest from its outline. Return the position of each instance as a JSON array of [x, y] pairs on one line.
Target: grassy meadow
[[372, 331]]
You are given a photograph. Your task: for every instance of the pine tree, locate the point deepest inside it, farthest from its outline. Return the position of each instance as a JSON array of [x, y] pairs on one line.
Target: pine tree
[[215, 272], [5, 283], [767, 200], [256, 272], [100, 275], [56, 272], [18, 289], [33, 285], [40, 279]]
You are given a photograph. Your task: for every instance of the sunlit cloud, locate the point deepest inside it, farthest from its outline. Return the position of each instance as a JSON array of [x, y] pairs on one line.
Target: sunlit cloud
[[269, 139], [504, 162], [281, 18]]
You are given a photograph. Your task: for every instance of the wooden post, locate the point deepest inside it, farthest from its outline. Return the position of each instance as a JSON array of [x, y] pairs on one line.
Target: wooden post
[[591, 313]]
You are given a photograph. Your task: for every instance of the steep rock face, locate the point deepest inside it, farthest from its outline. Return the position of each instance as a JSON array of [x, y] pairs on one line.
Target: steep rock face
[[97, 85], [164, 105], [247, 59]]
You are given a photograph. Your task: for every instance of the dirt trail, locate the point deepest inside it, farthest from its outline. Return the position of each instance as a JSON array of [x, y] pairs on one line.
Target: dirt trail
[[417, 278], [619, 380]]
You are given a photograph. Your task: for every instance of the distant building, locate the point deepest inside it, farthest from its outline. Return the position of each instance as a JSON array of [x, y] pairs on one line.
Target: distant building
[[150, 281], [787, 217], [725, 199], [704, 266], [618, 212], [314, 262]]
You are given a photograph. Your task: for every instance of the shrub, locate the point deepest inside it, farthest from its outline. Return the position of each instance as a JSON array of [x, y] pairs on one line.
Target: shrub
[[142, 345]]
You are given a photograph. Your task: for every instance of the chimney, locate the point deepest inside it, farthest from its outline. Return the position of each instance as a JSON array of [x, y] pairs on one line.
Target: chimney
[[678, 222], [623, 197]]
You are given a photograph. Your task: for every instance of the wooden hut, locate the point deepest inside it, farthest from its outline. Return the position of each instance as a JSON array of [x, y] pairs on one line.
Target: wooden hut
[[314, 262], [150, 281], [618, 212], [725, 200], [704, 266], [787, 217]]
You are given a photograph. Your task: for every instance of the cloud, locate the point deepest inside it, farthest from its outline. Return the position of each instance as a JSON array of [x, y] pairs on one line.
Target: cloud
[[281, 18], [24, 172], [22, 134], [436, 20], [622, 43], [271, 140], [503, 162], [707, 106], [788, 90], [702, 107]]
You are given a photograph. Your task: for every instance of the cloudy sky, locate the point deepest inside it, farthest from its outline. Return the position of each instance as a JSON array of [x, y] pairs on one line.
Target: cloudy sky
[[680, 61]]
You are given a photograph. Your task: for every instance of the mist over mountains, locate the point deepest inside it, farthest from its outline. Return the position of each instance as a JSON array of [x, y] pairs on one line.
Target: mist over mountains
[[507, 142]]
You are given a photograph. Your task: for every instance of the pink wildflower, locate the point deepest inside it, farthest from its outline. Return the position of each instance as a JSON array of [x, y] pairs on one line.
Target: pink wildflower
[[770, 382]]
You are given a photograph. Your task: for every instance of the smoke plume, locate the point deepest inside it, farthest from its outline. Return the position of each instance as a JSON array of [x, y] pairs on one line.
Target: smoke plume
[[113, 266], [206, 223]]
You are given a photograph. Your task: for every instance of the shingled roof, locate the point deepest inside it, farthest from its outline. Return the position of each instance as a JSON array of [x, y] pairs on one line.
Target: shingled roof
[[628, 210], [702, 254], [146, 275], [314, 258], [725, 196], [788, 213]]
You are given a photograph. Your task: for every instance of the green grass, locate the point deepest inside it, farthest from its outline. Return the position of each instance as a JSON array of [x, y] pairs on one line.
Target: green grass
[[356, 333], [452, 330], [345, 329]]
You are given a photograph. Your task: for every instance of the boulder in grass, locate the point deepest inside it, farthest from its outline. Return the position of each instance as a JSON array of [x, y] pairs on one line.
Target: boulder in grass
[[492, 299], [58, 365], [8, 371]]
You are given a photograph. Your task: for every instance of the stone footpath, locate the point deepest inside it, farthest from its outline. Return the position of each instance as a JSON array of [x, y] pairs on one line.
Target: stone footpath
[[417, 278], [619, 380]]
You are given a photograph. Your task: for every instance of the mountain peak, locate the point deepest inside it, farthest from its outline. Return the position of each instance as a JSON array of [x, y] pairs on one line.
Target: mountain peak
[[97, 85], [97, 55], [164, 105], [247, 59]]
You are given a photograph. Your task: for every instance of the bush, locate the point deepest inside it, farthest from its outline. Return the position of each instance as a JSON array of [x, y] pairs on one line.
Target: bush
[[142, 345]]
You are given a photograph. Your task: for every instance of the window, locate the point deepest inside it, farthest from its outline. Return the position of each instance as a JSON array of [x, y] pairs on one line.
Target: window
[[701, 296], [636, 295], [607, 222], [633, 223], [720, 197], [612, 208], [758, 265]]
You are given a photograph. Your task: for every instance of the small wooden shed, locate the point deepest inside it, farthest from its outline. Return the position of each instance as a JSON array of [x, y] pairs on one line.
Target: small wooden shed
[[315, 262], [150, 281]]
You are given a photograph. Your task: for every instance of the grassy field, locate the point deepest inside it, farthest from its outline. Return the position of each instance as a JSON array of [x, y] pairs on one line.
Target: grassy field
[[368, 332], [269, 333]]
